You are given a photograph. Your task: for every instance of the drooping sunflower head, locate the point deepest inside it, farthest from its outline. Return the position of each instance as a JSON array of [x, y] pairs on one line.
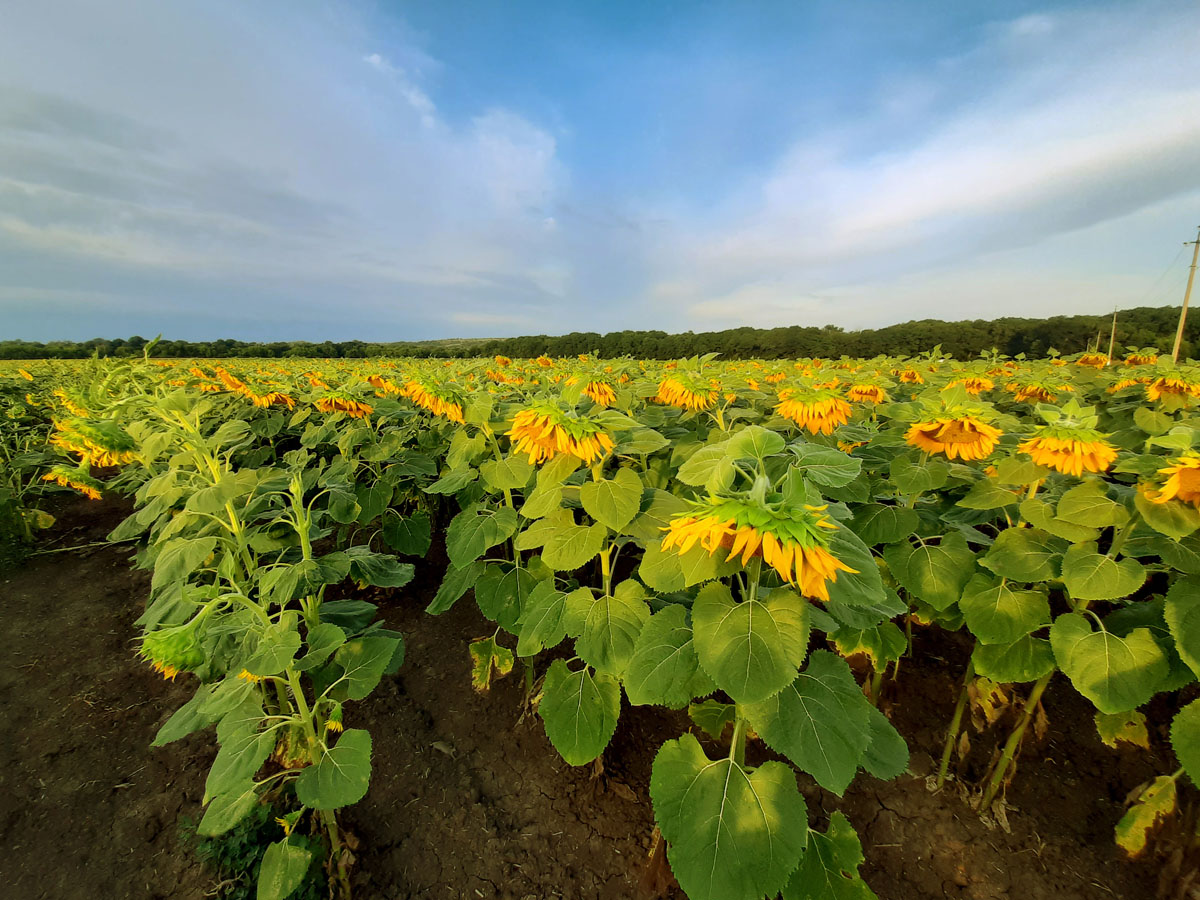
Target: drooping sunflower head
[[600, 392], [384, 386], [76, 479], [544, 432], [819, 410], [791, 539], [72, 402], [974, 384], [1172, 385], [98, 442], [910, 376], [686, 392], [26, 374], [957, 436], [544, 362], [1070, 448], [1093, 360], [1182, 480], [1038, 391], [173, 650], [343, 401], [867, 393], [439, 399], [1141, 359]]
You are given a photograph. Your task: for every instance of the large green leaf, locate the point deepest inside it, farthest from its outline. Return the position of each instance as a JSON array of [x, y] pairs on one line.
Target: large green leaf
[[276, 647], [987, 494], [363, 662], [887, 754], [570, 546], [935, 573], [476, 529], [284, 866], [613, 501], [541, 625], [1175, 520], [1115, 673], [1182, 612], [660, 569], [226, 810], [241, 755], [179, 559], [410, 535], [876, 523], [1089, 575], [732, 833], [664, 669], [341, 776], [820, 721], [378, 569], [508, 473], [611, 627], [754, 442], [579, 711], [1185, 739], [502, 592], [188, 718], [750, 648], [1088, 504], [826, 466], [455, 583], [829, 868], [998, 614], [1023, 555], [1039, 514], [1025, 659], [915, 478]]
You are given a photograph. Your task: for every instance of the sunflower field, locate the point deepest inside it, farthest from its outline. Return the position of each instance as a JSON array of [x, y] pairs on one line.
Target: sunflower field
[[752, 542]]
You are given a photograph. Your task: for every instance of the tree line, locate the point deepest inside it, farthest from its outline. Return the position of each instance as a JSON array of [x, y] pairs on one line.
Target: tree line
[[1143, 326]]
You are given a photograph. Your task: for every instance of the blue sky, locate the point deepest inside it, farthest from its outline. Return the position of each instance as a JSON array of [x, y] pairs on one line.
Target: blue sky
[[405, 170]]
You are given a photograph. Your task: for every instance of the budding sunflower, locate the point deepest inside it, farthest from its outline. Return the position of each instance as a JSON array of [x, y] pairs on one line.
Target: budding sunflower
[[544, 432], [173, 650], [334, 722], [964, 437], [793, 540]]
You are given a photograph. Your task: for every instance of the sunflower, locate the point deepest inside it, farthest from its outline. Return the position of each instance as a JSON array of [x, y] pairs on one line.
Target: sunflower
[[910, 376], [1171, 384], [340, 401], [247, 675], [503, 361], [1093, 360], [1070, 449], [974, 384], [383, 386], [1123, 383], [792, 540], [544, 432], [269, 398], [600, 392], [964, 437], [689, 396], [819, 411], [77, 479], [544, 361], [26, 374], [73, 405], [1141, 359], [98, 443], [1183, 481], [440, 401], [867, 393], [316, 380], [173, 650], [1037, 391], [231, 382]]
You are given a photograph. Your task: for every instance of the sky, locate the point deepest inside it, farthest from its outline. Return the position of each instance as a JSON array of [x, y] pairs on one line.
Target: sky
[[293, 170]]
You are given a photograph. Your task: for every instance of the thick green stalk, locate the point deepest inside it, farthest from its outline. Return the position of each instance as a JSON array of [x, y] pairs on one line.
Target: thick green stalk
[[955, 724], [1014, 740]]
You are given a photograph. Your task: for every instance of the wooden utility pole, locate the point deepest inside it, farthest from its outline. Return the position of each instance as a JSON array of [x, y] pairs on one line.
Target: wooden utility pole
[[1187, 295], [1112, 337]]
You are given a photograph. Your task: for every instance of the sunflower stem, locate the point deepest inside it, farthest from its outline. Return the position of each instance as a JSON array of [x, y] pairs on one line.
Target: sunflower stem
[[1014, 741], [755, 573], [1123, 535], [737, 744], [955, 724]]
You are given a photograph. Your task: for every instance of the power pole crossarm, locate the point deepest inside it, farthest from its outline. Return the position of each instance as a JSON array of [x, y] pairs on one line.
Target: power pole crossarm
[[1187, 295]]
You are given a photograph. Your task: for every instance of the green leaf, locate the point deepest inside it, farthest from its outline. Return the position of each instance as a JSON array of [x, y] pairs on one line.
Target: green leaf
[[1156, 802], [713, 716], [916, 478], [283, 868], [476, 529], [1175, 520], [861, 588], [410, 535], [1152, 421], [322, 640], [820, 721], [1039, 515], [611, 628], [1128, 726], [502, 592], [661, 570], [881, 644], [703, 465], [826, 466], [1025, 659], [512, 472], [187, 719], [1185, 739], [998, 614], [542, 501], [829, 868], [1115, 673], [378, 569], [1023, 555], [935, 573], [541, 625], [987, 494], [226, 810], [664, 669], [752, 648], [571, 546], [648, 527], [876, 523], [613, 502], [1182, 612], [754, 442], [732, 833], [455, 583], [372, 499], [1089, 575], [579, 711], [452, 482], [241, 755], [1088, 504], [341, 776], [179, 558], [276, 648], [887, 754], [363, 661]]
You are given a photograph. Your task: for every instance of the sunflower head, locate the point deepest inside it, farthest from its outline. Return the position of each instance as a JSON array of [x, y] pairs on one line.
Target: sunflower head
[[600, 392], [819, 410], [76, 479], [793, 539], [173, 650], [686, 392], [545, 431], [1143, 358], [439, 399], [1093, 360], [98, 442], [867, 393], [343, 401], [1179, 481], [1174, 385], [962, 436]]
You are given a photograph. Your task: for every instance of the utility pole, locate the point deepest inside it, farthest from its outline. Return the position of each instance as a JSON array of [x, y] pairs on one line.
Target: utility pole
[[1187, 295], [1112, 338]]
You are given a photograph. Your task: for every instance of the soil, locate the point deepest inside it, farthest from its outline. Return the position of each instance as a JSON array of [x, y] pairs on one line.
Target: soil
[[468, 799]]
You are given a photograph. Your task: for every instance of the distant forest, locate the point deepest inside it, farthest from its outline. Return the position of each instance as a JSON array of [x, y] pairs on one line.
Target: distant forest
[[1143, 326]]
